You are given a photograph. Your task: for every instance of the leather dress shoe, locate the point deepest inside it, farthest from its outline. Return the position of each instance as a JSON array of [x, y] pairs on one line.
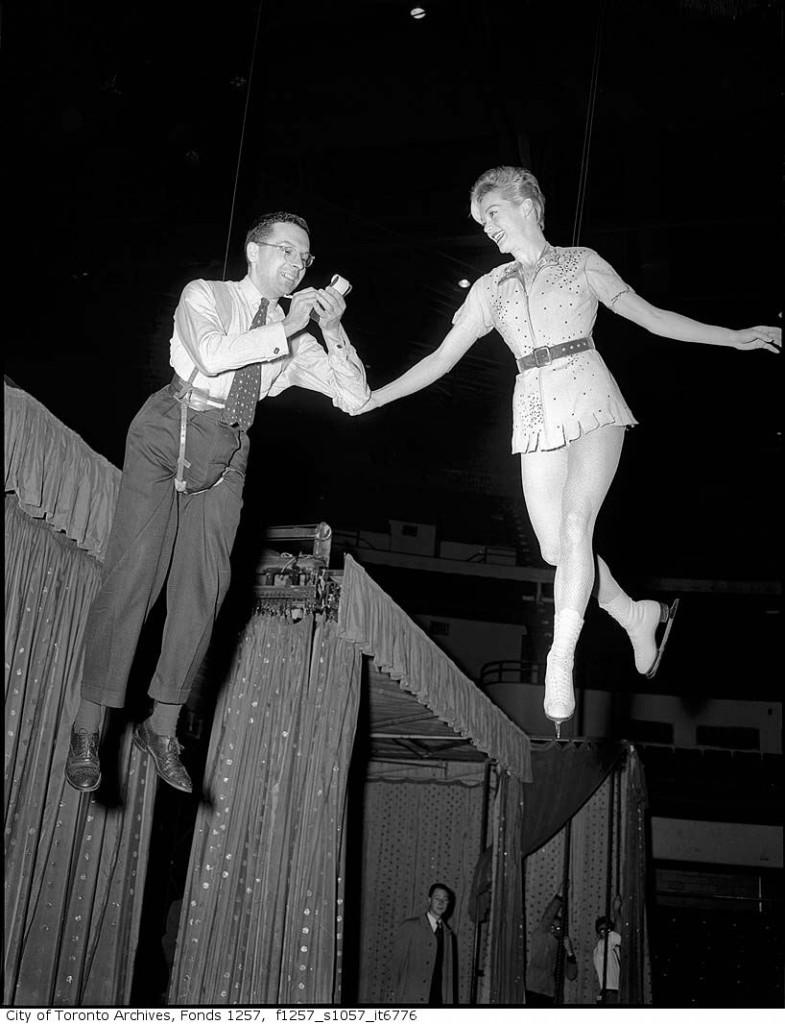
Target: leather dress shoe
[[82, 767], [165, 752]]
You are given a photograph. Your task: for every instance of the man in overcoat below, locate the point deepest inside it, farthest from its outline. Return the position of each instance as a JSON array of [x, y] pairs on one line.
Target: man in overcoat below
[[423, 962]]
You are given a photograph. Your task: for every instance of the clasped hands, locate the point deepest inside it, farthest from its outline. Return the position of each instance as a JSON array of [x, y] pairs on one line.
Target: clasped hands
[[328, 303], [368, 407]]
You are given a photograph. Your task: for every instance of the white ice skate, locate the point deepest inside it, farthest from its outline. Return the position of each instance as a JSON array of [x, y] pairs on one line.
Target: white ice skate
[[559, 702], [647, 647]]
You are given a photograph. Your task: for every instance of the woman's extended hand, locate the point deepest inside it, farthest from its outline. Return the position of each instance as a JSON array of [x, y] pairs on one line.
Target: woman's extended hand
[[769, 338]]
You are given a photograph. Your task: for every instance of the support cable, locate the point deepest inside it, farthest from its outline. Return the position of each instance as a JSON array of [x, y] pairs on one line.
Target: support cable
[[590, 112], [242, 139]]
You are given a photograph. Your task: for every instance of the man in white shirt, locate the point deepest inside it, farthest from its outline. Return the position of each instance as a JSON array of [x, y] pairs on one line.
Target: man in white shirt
[[180, 497]]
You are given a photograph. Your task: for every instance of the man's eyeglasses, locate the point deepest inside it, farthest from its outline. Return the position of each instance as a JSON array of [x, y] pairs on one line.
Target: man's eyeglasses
[[290, 252]]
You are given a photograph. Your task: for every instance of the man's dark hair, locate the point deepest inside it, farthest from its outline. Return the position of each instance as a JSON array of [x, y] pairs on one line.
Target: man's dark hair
[[440, 885], [603, 921], [262, 226]]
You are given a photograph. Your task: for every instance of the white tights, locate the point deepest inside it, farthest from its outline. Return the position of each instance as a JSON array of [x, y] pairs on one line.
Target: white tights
[[564, 490]]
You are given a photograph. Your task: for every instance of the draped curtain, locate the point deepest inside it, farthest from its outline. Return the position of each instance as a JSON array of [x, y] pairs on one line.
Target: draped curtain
[[416, 833], [263, 910], [74, 865], [263, 916], [55, 475], [565, 777], [506, 927], [636, 966], [422, 825], [607, 855], [369, 618]]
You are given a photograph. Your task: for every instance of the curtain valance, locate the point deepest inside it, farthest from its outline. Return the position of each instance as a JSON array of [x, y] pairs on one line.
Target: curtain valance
[[55, 475], [369, 618]]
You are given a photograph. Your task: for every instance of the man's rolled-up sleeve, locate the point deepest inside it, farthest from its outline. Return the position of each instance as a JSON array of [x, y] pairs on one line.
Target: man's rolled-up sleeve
[[337, 372]]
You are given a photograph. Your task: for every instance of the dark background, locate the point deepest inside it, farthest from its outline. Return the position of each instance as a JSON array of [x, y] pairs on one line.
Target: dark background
[[141, 139]]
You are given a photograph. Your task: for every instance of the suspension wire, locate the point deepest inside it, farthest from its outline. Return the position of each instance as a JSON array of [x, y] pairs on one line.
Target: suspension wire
[[590, 112], [242, 139]]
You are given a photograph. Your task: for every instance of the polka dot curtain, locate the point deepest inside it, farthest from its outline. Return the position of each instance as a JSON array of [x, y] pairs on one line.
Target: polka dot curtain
[[607, 855], [415, 833], [75, 865], [264, 907]]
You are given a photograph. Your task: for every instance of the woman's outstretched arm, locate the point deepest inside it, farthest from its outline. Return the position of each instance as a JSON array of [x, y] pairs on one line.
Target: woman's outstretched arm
[[667, 324], [429, 369]]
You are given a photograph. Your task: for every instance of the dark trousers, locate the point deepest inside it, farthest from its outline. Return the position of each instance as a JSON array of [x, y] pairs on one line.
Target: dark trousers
[[160, 536], [435, 995], [536, 999]]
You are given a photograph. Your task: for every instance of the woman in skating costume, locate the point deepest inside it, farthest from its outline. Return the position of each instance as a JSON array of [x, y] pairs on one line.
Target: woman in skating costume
[[569, 416]]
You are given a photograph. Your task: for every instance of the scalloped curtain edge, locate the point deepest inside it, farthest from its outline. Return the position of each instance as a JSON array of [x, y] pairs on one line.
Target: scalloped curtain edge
[[368, 617], [56, 476]]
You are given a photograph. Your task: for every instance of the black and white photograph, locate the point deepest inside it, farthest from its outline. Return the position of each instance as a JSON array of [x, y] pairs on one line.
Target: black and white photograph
[[393, 465]]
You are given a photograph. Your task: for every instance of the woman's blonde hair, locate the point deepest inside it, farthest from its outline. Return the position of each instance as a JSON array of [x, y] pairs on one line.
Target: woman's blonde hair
[[514, 183]]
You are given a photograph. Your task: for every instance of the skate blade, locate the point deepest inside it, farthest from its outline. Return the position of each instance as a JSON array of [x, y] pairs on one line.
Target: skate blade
[[558, 723], [671, 615]]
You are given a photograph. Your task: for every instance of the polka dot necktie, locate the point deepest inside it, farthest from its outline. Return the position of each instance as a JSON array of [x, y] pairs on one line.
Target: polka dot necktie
[[244, 392]]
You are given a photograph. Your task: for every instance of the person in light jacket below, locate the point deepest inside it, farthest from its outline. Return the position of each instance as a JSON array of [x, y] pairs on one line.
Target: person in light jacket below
[[607, 955], [423, 963]]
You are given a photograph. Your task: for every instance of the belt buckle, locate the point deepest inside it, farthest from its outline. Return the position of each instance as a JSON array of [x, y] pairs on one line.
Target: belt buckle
[[538, 362]]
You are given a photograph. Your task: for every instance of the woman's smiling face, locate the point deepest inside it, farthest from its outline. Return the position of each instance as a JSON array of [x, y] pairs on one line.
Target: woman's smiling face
[[503, 220]]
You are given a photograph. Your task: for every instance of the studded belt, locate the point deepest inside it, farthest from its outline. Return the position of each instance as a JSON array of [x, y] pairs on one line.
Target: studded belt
[[544, 355]]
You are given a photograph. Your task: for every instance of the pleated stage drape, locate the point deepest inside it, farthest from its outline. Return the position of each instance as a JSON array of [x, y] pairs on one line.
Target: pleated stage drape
[[264, 915], [503, 975], [263, 909], [55, 476], [567, 775], [606, 840], [416, 832], [371, 619], [74, 864], [636, 982], [422, 824]]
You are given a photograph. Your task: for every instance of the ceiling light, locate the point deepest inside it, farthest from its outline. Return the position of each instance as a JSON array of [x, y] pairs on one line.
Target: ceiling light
[[464, 283], [417, 13]]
